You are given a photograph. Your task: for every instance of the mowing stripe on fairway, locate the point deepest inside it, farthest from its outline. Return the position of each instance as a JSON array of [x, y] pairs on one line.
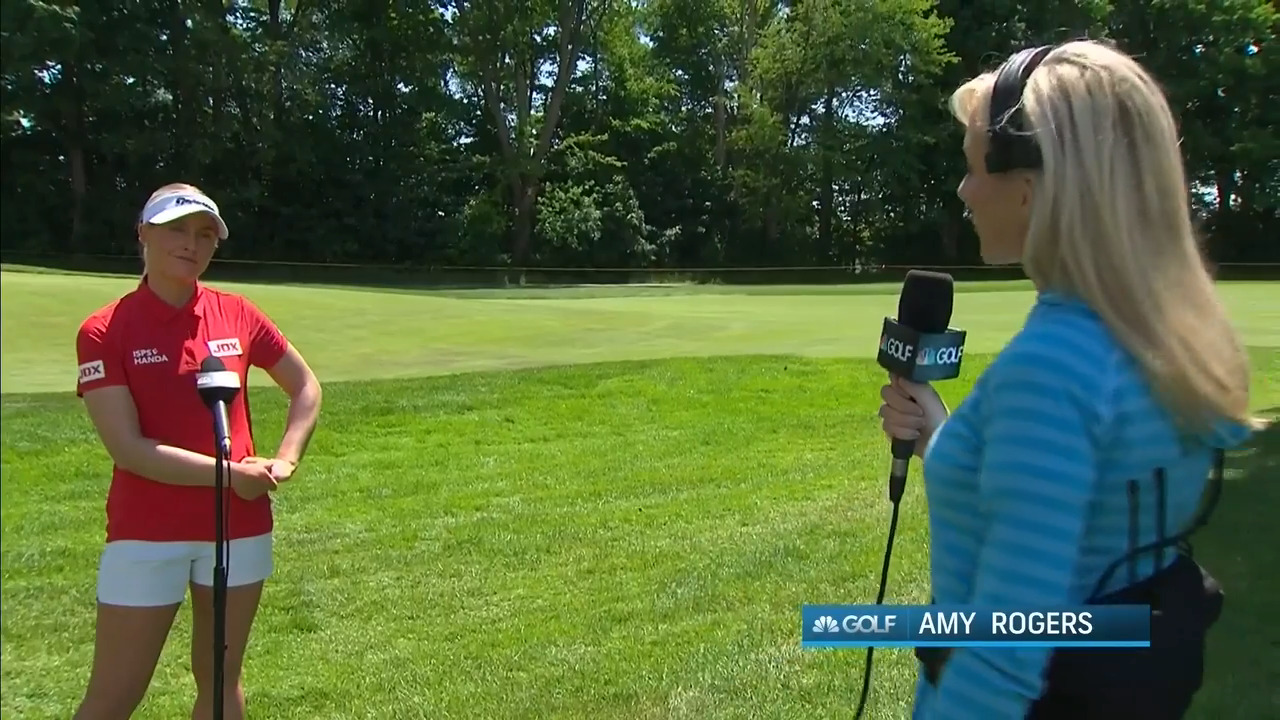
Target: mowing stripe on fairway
[[352, 334]]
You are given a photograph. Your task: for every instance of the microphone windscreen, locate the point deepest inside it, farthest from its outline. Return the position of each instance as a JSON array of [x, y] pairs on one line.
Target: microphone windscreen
[[926, 301], [212, 364]]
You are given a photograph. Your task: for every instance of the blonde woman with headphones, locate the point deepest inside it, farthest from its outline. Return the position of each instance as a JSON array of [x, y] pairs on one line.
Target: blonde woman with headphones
[[1074, 468]]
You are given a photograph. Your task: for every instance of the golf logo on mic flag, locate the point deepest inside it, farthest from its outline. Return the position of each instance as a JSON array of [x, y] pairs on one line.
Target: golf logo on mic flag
[[851, 626], [920, 357]]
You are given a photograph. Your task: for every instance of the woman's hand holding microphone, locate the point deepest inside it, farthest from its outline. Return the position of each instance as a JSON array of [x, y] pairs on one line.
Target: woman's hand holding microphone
[[911, 411]]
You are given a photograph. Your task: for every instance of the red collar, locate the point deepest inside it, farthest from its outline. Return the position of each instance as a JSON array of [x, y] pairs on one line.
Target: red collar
[[158, 307]]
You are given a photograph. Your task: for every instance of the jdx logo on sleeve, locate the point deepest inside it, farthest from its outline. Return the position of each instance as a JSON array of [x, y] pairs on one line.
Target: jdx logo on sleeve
[[91, 371], [225, 347]]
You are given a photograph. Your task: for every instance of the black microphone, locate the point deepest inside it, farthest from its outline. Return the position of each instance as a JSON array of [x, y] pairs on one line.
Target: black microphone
[[218, 387], [919, 346]]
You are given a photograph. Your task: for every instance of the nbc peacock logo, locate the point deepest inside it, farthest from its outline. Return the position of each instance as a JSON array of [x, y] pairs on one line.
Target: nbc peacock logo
[[825, 624]]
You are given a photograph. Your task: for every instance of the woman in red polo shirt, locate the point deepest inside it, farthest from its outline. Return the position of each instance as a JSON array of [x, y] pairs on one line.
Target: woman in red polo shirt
[[138, 358]]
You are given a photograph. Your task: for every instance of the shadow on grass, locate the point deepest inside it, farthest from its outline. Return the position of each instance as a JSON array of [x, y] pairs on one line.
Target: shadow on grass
[[1241, 547]]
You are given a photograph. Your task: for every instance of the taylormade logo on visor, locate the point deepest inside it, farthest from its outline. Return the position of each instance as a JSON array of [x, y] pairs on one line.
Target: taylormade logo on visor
[[168, 202], [188, 200]]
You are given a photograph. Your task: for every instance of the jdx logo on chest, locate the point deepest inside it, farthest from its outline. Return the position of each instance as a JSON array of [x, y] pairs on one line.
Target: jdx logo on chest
[[225, 347], [149, 356]]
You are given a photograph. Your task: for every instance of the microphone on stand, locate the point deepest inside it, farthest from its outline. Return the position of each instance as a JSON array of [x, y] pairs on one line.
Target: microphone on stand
[[919, 346], [218, 387]]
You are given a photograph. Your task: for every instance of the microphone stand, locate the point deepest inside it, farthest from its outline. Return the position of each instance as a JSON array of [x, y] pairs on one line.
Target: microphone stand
[[221, 480], [217, 387]]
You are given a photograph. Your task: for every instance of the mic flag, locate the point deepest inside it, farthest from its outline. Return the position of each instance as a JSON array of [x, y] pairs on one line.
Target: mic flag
[[920, 356], [218, 386]]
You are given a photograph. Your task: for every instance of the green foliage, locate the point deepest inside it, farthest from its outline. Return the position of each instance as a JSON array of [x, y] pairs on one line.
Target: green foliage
[[589, 212], [581, 133]]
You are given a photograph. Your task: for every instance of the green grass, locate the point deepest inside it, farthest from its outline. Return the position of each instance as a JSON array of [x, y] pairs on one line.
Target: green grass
[[614, 513], [359, 334]]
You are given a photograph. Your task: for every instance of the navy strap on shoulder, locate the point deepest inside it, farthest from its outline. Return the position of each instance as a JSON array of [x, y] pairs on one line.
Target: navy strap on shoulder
[[1181, 540]]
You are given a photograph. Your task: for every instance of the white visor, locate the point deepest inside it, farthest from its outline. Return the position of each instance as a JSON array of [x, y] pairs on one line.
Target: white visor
[[171, 206]]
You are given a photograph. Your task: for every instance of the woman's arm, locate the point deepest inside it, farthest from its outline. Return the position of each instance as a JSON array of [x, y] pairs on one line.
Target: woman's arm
[[115, 417], [104, 386], [295, 378]]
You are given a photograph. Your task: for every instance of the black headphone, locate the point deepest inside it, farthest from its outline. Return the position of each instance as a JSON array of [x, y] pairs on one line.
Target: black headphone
[[1011, 143]]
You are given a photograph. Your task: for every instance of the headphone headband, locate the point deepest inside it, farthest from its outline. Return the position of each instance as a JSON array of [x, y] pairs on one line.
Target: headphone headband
[[1012, 146]]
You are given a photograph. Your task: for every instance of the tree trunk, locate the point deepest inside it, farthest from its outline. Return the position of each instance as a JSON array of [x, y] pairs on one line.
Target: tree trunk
[[826, 209], [77, 165], [524, 203], [721, 114]]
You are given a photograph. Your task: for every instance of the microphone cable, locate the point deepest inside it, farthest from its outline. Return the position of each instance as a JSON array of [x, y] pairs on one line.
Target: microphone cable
[[897, 487], [221, 573], [227, 493]]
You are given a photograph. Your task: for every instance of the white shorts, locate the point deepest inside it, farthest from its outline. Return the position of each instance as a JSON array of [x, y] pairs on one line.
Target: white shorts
[[139, 573]]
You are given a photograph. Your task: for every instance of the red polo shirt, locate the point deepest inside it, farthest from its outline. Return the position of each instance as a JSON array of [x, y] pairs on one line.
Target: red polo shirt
[[155, 350]]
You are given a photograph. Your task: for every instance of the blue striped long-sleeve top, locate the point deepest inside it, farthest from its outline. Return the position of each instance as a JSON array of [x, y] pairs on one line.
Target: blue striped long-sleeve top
[[1027, 490]]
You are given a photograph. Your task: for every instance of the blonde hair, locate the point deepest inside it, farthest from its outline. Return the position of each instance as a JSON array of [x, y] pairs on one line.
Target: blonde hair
[[1111, 224]]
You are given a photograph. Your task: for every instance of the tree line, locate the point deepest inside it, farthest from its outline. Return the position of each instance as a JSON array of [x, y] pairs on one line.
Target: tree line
[[581, 133]]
